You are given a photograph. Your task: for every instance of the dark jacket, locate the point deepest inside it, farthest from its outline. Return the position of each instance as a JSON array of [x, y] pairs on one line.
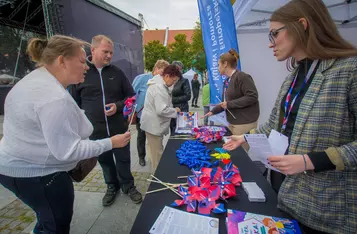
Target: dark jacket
[[195, 87], [89, 97], [181, 94], [242, 100]]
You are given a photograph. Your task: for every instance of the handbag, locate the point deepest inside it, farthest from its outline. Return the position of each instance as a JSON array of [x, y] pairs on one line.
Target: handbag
[[83, 168]]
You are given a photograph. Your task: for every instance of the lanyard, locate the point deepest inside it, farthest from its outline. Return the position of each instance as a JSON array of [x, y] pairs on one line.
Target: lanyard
[[226, 84], [288, 107]]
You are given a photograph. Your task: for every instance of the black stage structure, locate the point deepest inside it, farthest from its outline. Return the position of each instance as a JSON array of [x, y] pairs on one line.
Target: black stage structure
[[21, 20]]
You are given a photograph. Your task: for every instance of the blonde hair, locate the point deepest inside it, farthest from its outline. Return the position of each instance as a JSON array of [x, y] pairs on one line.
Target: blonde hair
[[161, 64], [96, 40], [321, 39], [44, 51], [231, 57]]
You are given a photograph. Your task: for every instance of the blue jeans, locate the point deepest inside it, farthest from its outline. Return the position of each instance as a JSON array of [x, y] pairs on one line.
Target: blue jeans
[[50, 196]]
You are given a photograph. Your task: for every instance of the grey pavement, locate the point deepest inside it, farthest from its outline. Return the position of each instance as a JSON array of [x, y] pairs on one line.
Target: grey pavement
[[90, 217]]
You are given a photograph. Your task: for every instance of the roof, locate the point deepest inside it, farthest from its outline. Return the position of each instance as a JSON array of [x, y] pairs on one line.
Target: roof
[[255, 14], [152, 35]]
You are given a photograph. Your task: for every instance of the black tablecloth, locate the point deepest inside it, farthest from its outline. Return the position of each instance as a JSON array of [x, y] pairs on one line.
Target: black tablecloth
[[168, 170]]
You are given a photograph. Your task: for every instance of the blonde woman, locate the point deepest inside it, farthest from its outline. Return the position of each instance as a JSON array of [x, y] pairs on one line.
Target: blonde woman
[[46, 134]]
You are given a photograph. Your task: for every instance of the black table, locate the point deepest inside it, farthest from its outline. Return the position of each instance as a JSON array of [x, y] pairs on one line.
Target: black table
[[168, 170]]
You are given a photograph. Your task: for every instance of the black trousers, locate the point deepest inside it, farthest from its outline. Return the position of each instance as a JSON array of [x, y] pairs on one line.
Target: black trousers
[[276, 180], [195, 98], [118, 172], [141, 140], [51, 197]]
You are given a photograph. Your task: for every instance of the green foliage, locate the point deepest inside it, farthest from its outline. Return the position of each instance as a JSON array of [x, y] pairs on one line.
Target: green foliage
[[197, 48], [154, 51], [181, 50], [191, 55]]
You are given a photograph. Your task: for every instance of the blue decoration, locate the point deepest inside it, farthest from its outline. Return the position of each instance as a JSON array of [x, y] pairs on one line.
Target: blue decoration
[[195, 155]]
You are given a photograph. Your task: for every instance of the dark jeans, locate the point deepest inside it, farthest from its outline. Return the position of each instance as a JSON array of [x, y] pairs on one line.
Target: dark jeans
[[205, 111], [141, 140], [117, 173], [51, 197]]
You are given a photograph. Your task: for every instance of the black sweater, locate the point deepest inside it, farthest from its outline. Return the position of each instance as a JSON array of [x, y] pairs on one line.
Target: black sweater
[[320, 159], [90, 96]]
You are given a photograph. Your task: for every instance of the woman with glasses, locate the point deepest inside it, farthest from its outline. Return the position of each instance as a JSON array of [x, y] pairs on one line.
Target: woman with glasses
[[316, 110]]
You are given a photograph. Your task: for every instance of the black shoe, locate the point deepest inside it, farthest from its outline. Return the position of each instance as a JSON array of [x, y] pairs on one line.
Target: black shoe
[[197, 106], [142, 162], [135, 195], [110, 195]]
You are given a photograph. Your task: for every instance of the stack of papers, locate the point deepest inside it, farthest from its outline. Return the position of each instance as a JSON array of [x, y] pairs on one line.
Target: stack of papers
[[255, 194], [180, 222]]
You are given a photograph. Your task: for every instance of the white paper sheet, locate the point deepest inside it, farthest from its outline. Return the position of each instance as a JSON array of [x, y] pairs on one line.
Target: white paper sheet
[[261, 147], [173, 221]]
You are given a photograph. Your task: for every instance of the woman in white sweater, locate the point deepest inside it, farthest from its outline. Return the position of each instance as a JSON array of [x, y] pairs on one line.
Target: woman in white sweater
[[158, 111], [46, 134]]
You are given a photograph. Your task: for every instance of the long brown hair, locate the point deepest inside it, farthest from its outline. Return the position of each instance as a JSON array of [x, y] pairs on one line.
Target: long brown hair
[[321, 39]]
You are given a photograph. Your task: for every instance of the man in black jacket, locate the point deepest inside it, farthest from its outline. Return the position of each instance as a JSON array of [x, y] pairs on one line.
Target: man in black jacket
[[102, 97], [181, 94]]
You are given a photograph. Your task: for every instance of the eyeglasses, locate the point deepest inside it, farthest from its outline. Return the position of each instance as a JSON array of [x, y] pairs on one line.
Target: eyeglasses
[[274, 34]]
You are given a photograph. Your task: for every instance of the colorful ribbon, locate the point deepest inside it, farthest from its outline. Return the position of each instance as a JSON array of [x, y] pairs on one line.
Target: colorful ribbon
[[207, 186], [221, 155], [195, 155], [129, 106], [209, 134]]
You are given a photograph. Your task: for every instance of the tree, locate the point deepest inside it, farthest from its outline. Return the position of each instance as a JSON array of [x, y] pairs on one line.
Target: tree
[[198, 51], [181, 50], [154, 51]]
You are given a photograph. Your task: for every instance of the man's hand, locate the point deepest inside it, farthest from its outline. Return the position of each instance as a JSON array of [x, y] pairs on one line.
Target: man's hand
[[110, 109], [178, 110]]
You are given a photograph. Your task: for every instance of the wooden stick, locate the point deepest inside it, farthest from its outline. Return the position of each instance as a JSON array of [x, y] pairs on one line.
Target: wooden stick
[[132, 117], [173, 190], [155, 181], [227, 108], [182, 177], [156, 190]]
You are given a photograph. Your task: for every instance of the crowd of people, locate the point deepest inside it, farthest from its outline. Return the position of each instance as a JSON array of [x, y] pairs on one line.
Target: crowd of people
[[70, 109]]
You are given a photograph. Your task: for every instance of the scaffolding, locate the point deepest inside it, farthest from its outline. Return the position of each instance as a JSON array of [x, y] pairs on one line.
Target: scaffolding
[[53, 19]]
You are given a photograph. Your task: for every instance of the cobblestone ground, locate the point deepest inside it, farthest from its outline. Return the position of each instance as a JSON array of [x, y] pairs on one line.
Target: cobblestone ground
[[16, 217]]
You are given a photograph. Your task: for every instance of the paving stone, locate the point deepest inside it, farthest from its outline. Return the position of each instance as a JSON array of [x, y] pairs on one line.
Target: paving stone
[[14, 224], [93, 189], [102, 190]]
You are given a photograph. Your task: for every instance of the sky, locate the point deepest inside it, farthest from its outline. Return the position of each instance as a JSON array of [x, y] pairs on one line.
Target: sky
[[175, 14]]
